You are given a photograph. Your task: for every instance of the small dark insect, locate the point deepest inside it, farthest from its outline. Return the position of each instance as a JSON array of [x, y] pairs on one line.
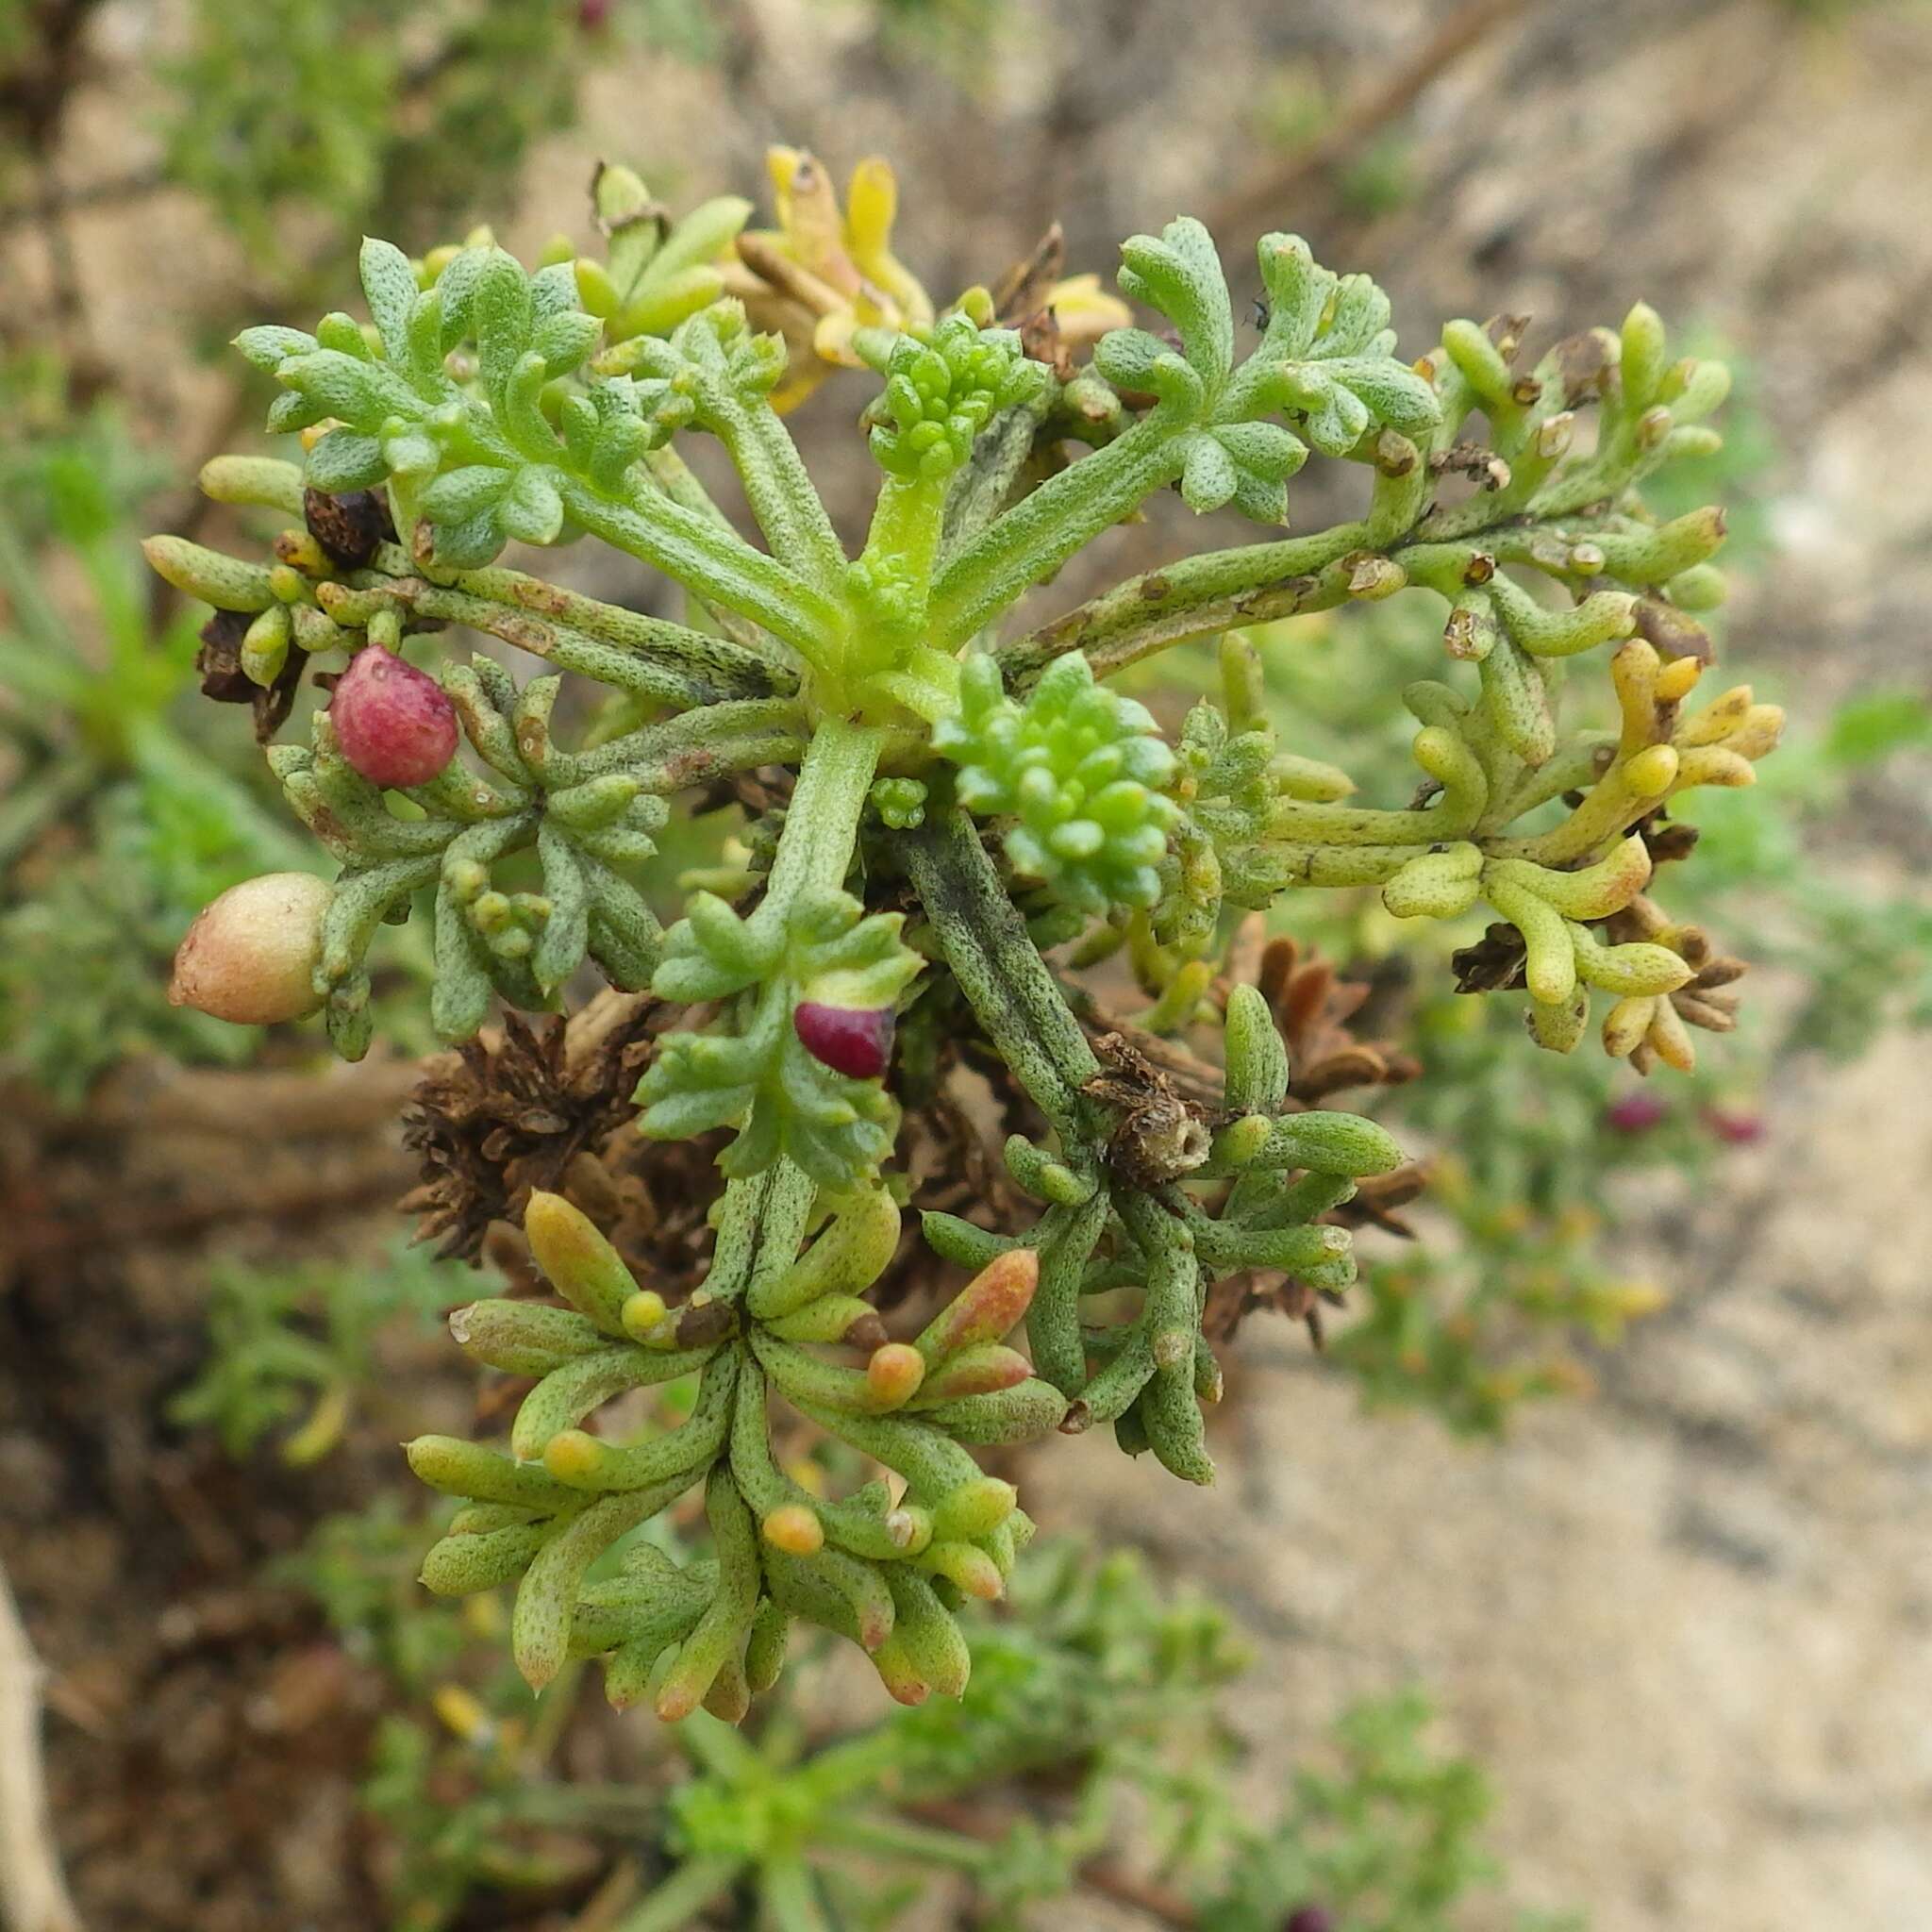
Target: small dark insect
[[1260, 314]]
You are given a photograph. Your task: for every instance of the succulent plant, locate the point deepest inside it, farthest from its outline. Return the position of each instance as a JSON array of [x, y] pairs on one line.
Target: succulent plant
[[963, 798]]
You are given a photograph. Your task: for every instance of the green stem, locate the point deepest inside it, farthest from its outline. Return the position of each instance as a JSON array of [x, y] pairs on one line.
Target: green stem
[[791, 1895], [1254, 583], [776, 486], [998, 968], [821, 821], [906, 522], [1041, 532], [1528, 542], [780, 493], [736, 669], [761, 1224], [682, 1896], [710, 558], [914, 1844], [693, 746], [1195, 598], [679, 482], [672, 669], [720, 1749], [888, 615]]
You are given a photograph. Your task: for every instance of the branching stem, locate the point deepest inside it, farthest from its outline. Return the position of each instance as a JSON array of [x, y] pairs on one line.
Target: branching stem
[[1007, 983]]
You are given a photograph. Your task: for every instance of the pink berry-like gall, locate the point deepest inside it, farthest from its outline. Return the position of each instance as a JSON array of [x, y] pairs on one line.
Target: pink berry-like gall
[[250, 954], [394, 723]]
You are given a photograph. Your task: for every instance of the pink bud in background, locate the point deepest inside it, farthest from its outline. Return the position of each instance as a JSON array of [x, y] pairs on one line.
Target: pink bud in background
[[1635, 1113], [394, 723], [1734, 1129], [593, 14], [250, 955], [853, 1040], [1308, 1918]]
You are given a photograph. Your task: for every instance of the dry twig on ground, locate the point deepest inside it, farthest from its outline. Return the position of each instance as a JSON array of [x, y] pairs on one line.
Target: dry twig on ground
[[33, 1893]]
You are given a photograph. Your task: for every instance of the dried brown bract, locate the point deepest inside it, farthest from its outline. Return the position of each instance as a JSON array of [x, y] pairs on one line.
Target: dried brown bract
[[1313, 1006], [547, 1106]]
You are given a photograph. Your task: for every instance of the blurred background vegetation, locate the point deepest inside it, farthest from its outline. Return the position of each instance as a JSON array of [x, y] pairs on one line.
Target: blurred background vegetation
[[209, 1330]]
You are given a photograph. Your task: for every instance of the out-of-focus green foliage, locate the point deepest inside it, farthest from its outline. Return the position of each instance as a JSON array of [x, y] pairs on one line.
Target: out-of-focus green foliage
[[83, 948], [360, 1568], [293, 119], [1382, 1835], [289, 1344], [118, 823]]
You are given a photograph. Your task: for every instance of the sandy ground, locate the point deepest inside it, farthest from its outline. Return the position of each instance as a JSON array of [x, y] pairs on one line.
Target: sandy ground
[[1684, 1625]]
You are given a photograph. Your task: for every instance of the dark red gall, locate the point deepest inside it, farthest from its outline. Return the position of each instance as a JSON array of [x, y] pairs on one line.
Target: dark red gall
[[853, 1040]]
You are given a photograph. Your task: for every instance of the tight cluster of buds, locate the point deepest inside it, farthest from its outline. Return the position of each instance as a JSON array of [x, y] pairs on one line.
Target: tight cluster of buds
[[1079, 768]]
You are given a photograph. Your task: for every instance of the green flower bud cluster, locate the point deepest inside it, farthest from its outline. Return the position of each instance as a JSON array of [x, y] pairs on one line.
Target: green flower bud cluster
[[943, 386], [900, 803], [1079, 767], [753, 1072], [887, 1572]]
